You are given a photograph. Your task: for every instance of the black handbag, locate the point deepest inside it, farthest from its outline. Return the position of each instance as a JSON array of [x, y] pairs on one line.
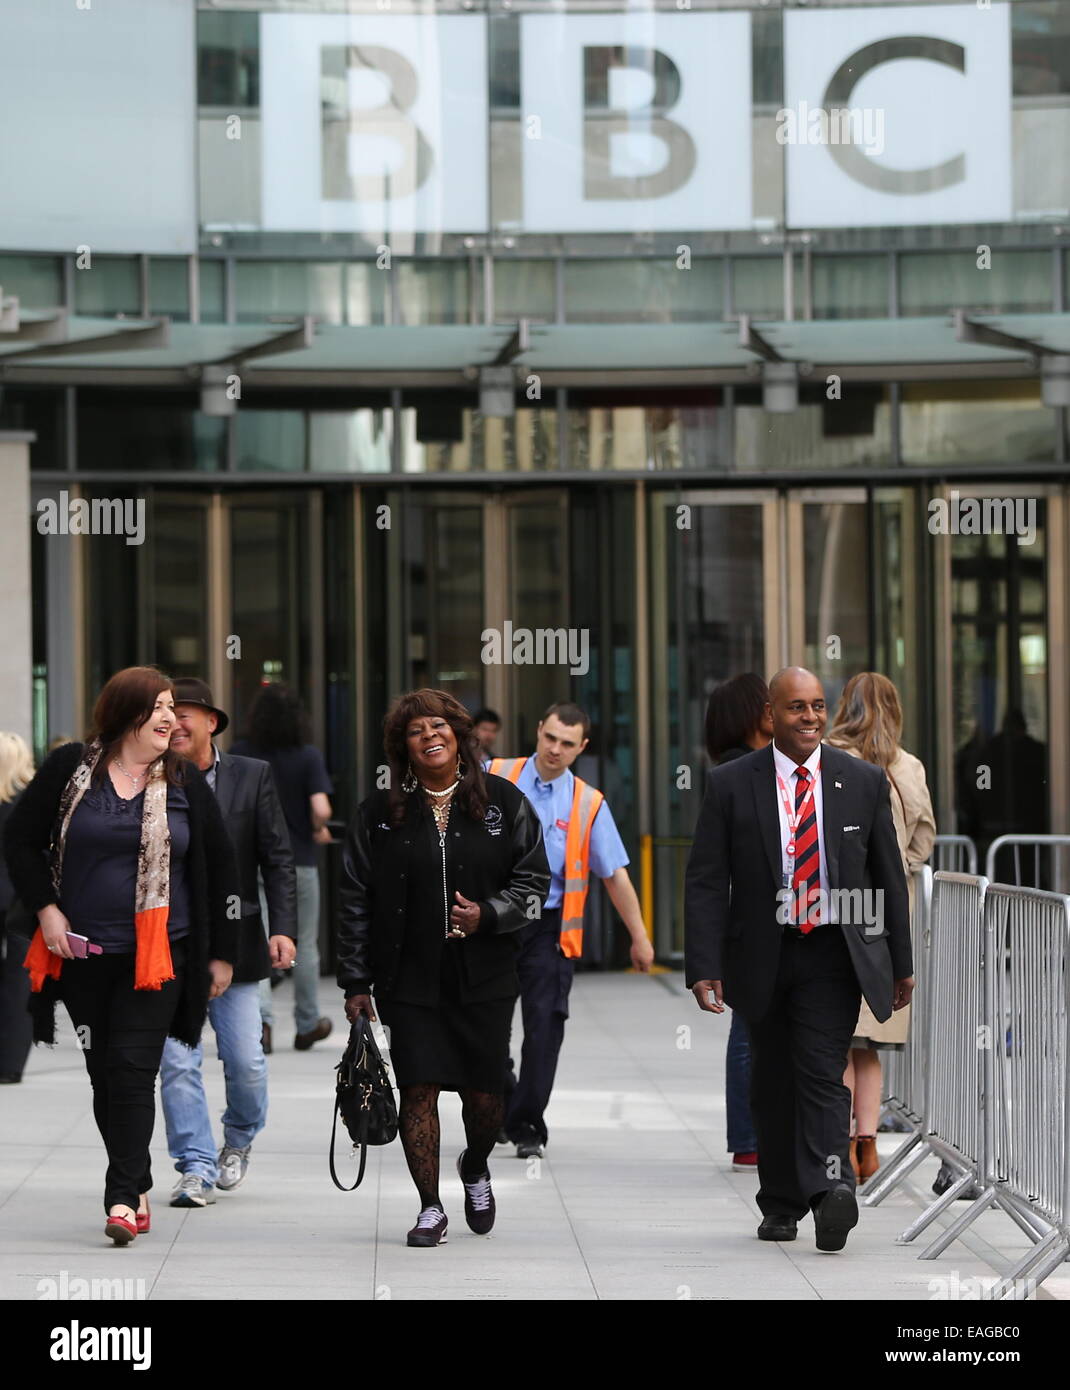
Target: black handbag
[[363, 1097]]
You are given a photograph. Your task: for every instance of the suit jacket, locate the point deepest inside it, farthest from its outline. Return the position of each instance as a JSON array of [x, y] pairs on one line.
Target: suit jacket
[[501, 864], [245, 791], [732, 931]]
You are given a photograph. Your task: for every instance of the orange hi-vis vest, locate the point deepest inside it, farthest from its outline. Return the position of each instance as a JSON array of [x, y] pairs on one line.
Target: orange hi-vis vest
[[586, 801]]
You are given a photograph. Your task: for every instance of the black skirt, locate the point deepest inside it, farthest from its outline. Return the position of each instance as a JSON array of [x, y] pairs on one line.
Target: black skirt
[[459, 1047]]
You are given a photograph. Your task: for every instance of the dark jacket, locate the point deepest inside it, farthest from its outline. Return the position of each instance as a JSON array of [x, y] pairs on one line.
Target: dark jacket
[[211, 875], [734, 874], [500, 862], [245, 790]]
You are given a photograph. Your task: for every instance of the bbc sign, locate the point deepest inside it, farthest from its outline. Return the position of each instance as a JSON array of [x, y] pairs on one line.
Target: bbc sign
[[637, 121]]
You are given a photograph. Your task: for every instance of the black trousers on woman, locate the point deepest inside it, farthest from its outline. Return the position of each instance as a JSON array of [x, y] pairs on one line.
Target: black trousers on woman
[[122, 1031]]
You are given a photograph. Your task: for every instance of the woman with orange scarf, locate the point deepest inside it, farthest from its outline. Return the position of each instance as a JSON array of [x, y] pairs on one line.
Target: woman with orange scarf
[[118, 849]]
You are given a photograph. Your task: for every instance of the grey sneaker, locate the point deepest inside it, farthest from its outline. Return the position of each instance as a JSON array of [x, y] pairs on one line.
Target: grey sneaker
[[193, 1191], [233, 1166]]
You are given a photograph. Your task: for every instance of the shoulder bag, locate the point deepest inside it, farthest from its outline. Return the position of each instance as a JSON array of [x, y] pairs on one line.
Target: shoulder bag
[[363, 1097]]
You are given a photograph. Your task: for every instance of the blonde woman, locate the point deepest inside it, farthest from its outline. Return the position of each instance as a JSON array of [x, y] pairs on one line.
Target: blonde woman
[[869, 724], [16, 1028]]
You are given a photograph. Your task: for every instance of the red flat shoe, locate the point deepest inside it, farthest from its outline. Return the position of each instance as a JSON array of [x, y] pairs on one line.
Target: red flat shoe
[[144, 1222], [120, 1229]]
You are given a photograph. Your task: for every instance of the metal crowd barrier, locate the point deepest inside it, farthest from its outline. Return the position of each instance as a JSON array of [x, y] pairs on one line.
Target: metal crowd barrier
[[1059, 876], [956, 854], [905, 1072]]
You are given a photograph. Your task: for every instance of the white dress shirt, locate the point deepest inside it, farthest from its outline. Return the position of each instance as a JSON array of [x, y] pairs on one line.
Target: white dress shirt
[[786, 766]]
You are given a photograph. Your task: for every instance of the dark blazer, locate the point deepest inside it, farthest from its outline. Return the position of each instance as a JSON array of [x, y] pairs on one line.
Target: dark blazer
[[211, 873], [245, 790], [734, 873], [504, 871]]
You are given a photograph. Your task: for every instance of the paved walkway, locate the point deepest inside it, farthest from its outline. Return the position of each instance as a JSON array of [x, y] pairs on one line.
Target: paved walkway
[[634, 1200]]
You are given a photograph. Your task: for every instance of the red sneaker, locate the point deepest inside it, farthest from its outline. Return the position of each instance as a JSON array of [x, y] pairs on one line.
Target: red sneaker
[[744, 1163]]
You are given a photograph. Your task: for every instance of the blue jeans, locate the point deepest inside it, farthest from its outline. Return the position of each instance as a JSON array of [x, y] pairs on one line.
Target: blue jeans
[[235, 1016], [741, 1136], [306, 970]]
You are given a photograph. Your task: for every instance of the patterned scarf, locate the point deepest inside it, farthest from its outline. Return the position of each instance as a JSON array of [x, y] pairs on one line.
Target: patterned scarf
[[152, 966]]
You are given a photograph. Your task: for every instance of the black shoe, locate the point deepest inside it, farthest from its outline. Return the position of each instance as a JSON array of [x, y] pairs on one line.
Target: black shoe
[[10, 1078], [503, 1138], [946, 1177], [430, 1229], [303, 1041], [479, 1205], [778, 1228], [834, 1216], [529, 1145]]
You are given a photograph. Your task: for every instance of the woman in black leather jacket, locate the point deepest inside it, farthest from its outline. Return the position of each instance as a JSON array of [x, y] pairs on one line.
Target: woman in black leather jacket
[[439, 873]]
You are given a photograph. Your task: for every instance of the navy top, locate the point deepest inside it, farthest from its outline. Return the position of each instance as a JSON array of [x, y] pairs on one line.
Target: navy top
[[99, 884], [299, 772]]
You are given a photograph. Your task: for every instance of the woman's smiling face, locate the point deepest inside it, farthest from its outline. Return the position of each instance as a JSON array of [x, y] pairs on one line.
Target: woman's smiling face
[[431, 742]]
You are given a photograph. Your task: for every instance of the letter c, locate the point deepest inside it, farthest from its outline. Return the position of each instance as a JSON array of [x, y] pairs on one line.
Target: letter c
[[857, 165]]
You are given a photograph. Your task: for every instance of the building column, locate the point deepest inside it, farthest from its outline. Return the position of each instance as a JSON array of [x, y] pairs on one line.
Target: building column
[[16, 607]]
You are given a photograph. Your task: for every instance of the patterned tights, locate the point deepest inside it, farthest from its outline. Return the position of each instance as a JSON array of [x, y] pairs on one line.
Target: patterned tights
[[418, 1125]]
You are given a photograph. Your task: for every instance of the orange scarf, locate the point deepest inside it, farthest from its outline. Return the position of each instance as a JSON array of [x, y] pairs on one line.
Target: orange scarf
[[152, 964]]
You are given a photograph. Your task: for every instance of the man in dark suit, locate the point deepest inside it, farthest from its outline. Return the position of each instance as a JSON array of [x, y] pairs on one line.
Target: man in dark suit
[[245, 790], [796, 905]]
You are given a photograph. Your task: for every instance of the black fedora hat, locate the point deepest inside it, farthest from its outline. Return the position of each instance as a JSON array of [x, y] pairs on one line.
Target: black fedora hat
[[190, 691]]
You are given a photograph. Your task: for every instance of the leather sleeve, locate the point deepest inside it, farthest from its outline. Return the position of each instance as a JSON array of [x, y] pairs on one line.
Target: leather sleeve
[[275, 858], [224, 881], [885, 864], [355, 910], [521, 900], [706, 891]]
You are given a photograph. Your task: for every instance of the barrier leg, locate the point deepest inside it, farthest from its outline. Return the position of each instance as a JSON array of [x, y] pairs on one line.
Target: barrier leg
[[934, 1209], [888, 1175], [1036, 1266], [968, 1217], [1035, 1227], [889, 1180]]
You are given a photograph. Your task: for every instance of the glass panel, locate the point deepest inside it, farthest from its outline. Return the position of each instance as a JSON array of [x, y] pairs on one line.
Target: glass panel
[[440, 434], [700, 640], [538, 566], [432, 291], [36, 280], [836, 590], [179, 576], [999, 682], [523, 289], [169, 287], [933, 283], [901, 584], [366, 293], [1040, 37], [855, 431], [108, 285], [40, 410], [269, 594], [270, 440], [976, 421], [643, 291], [266, 289], [213, 309], [640, 438], [350, 441], [114, 574], [758, 286], [850, 287], [228, 59], [156, 432]]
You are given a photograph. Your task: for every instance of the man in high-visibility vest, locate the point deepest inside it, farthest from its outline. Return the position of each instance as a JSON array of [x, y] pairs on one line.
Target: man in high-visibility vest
[[580, 836]]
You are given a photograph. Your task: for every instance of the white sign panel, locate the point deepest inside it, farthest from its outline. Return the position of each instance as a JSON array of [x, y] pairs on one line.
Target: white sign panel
[[897, 115], [98, 110], [375, 124], [636, 122]]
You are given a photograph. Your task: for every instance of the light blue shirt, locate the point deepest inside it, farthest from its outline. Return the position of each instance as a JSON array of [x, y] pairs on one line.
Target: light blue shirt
[[553, 804]]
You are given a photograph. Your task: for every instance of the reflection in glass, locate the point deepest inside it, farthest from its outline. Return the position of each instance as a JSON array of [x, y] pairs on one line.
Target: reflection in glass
[[936, 282], [975, 422], [37, 281], [643, 291], [179, 569], [523, 289], [836, 594], [109, 285], [349, 441], [813, 436], [538, 569], [147, 432], [640, 438], [270, 440], [265, 289], [432, 291], [850, 287]]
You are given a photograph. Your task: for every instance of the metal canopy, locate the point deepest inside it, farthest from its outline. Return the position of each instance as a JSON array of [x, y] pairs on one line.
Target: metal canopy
[[58, 348]]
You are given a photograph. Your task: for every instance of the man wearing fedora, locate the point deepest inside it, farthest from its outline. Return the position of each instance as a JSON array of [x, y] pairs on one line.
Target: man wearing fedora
[[245, 790]]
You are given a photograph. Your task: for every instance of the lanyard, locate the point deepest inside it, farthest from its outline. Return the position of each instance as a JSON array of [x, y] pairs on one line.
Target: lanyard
[[795, 820]]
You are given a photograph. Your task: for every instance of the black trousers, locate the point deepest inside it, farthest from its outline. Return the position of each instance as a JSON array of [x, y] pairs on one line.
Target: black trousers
[[122, 1031], [16, 1026], [801, 1108], [545, 982]]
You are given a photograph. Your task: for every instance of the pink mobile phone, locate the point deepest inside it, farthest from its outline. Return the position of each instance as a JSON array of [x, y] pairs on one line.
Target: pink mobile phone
[[81, 946]]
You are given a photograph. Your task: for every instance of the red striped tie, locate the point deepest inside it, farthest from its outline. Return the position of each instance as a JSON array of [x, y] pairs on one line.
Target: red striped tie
[[806, 881]]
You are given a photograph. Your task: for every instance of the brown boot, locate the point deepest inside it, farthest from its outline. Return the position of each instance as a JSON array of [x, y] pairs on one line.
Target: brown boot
[[868, 1162], [854, 1158]]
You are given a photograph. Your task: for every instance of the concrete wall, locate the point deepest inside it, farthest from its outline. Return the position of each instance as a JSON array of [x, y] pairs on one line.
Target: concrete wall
[[16, 609]]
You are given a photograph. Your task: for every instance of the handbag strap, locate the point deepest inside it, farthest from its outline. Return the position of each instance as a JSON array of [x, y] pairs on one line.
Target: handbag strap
[[363, 1141]]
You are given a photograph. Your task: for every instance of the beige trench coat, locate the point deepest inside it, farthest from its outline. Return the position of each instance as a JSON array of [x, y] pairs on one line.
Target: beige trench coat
[[915, 828]]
